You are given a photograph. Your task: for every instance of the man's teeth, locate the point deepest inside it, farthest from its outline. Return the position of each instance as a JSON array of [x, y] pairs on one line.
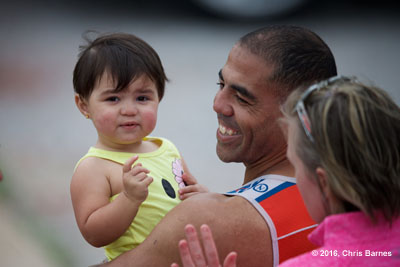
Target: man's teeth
[[224, 130]]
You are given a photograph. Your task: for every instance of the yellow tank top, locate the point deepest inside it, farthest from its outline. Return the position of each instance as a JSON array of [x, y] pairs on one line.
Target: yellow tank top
[[166, 169]]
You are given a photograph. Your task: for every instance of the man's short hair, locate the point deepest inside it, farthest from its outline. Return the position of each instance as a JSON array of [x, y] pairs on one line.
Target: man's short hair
[[298, 55]]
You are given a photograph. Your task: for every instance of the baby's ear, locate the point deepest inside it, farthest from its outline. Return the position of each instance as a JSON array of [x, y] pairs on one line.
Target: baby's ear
[[82, 105]]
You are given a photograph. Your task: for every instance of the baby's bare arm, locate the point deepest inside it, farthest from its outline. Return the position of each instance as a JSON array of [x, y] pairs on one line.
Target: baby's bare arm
[[99, 220]]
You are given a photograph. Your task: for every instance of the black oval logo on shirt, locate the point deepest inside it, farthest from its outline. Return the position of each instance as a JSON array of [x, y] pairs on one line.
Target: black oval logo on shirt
[[169, 190]]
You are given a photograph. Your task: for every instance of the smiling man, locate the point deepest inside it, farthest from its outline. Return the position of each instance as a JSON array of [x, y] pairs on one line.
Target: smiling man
[[264, 220]]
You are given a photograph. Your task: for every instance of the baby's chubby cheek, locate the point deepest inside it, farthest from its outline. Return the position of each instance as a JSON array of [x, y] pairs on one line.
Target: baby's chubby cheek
[[105, 123], [149, 120]]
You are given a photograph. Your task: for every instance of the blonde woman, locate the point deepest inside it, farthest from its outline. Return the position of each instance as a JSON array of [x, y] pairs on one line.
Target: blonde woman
[[344, 142]]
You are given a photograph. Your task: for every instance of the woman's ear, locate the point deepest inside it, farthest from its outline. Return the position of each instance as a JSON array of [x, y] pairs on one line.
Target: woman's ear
[[82, 106], [330, 199], [323, 181]]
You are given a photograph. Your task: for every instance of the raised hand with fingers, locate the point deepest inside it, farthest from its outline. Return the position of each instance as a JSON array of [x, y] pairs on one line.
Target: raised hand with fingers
[[135, 180], [192, 254]]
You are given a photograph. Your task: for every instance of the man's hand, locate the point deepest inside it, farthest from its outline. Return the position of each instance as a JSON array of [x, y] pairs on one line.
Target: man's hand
[[135, 180]]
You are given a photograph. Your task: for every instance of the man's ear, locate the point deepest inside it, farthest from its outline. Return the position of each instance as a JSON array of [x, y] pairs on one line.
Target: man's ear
[[82, 105]]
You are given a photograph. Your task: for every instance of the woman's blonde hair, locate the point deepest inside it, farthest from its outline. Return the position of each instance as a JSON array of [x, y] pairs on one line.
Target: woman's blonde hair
[[354, 134]]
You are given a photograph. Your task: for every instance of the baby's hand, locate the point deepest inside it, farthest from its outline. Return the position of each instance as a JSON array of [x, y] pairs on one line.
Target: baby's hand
[[135, 180], [191, 188]]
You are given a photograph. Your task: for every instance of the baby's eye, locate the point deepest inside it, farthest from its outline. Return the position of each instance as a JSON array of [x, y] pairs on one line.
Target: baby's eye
[[142, 98], [112, 99], [220, 84]]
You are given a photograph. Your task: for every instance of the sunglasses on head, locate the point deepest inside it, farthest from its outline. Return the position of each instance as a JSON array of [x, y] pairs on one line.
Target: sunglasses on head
[[301, 109]]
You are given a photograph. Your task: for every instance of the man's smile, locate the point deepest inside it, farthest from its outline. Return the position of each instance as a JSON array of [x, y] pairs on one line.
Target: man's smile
[[226, 131]]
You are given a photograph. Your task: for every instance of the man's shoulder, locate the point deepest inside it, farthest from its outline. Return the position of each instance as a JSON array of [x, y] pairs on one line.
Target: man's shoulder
[[218, 207], [212, 200]]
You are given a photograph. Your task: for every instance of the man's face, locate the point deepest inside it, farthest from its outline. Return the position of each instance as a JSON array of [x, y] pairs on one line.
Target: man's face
[[246, 109]]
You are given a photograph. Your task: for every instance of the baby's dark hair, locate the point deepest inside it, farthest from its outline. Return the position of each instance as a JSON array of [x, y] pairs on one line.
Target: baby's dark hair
[[124, 56]]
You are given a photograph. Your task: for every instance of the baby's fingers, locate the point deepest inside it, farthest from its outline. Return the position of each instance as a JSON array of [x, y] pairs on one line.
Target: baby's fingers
[[128, 164], [186, 192], [197, 188], [187, 189], [189, 179], [137, 169], [147, 181]]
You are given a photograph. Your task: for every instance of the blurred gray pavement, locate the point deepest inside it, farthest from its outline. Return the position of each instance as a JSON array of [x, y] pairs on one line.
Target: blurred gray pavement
[[43, 135]]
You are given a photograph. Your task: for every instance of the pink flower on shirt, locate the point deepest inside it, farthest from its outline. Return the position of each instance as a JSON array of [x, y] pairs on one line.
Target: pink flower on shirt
[[177, 169]]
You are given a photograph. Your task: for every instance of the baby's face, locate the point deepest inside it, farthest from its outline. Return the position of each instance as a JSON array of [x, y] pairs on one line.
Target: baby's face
[[123, 117]]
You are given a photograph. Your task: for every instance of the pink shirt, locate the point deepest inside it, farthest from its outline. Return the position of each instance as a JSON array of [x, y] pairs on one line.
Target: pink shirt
[[351, 239]]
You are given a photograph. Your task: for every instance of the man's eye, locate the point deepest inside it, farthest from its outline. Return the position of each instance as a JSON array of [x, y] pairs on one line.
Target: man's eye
[[221, 85], [142, 98], [241, 100], [112, 99]]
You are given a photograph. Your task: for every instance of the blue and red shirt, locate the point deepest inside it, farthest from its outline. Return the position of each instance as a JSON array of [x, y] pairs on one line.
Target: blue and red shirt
[[279, 202]]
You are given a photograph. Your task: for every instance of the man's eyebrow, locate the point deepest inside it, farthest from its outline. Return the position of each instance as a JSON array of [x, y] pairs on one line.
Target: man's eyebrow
[[220, 75], [240, 89], [243, 91]]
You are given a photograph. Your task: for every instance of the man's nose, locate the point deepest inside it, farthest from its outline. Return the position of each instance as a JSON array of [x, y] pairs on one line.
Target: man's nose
[[222, 103]]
